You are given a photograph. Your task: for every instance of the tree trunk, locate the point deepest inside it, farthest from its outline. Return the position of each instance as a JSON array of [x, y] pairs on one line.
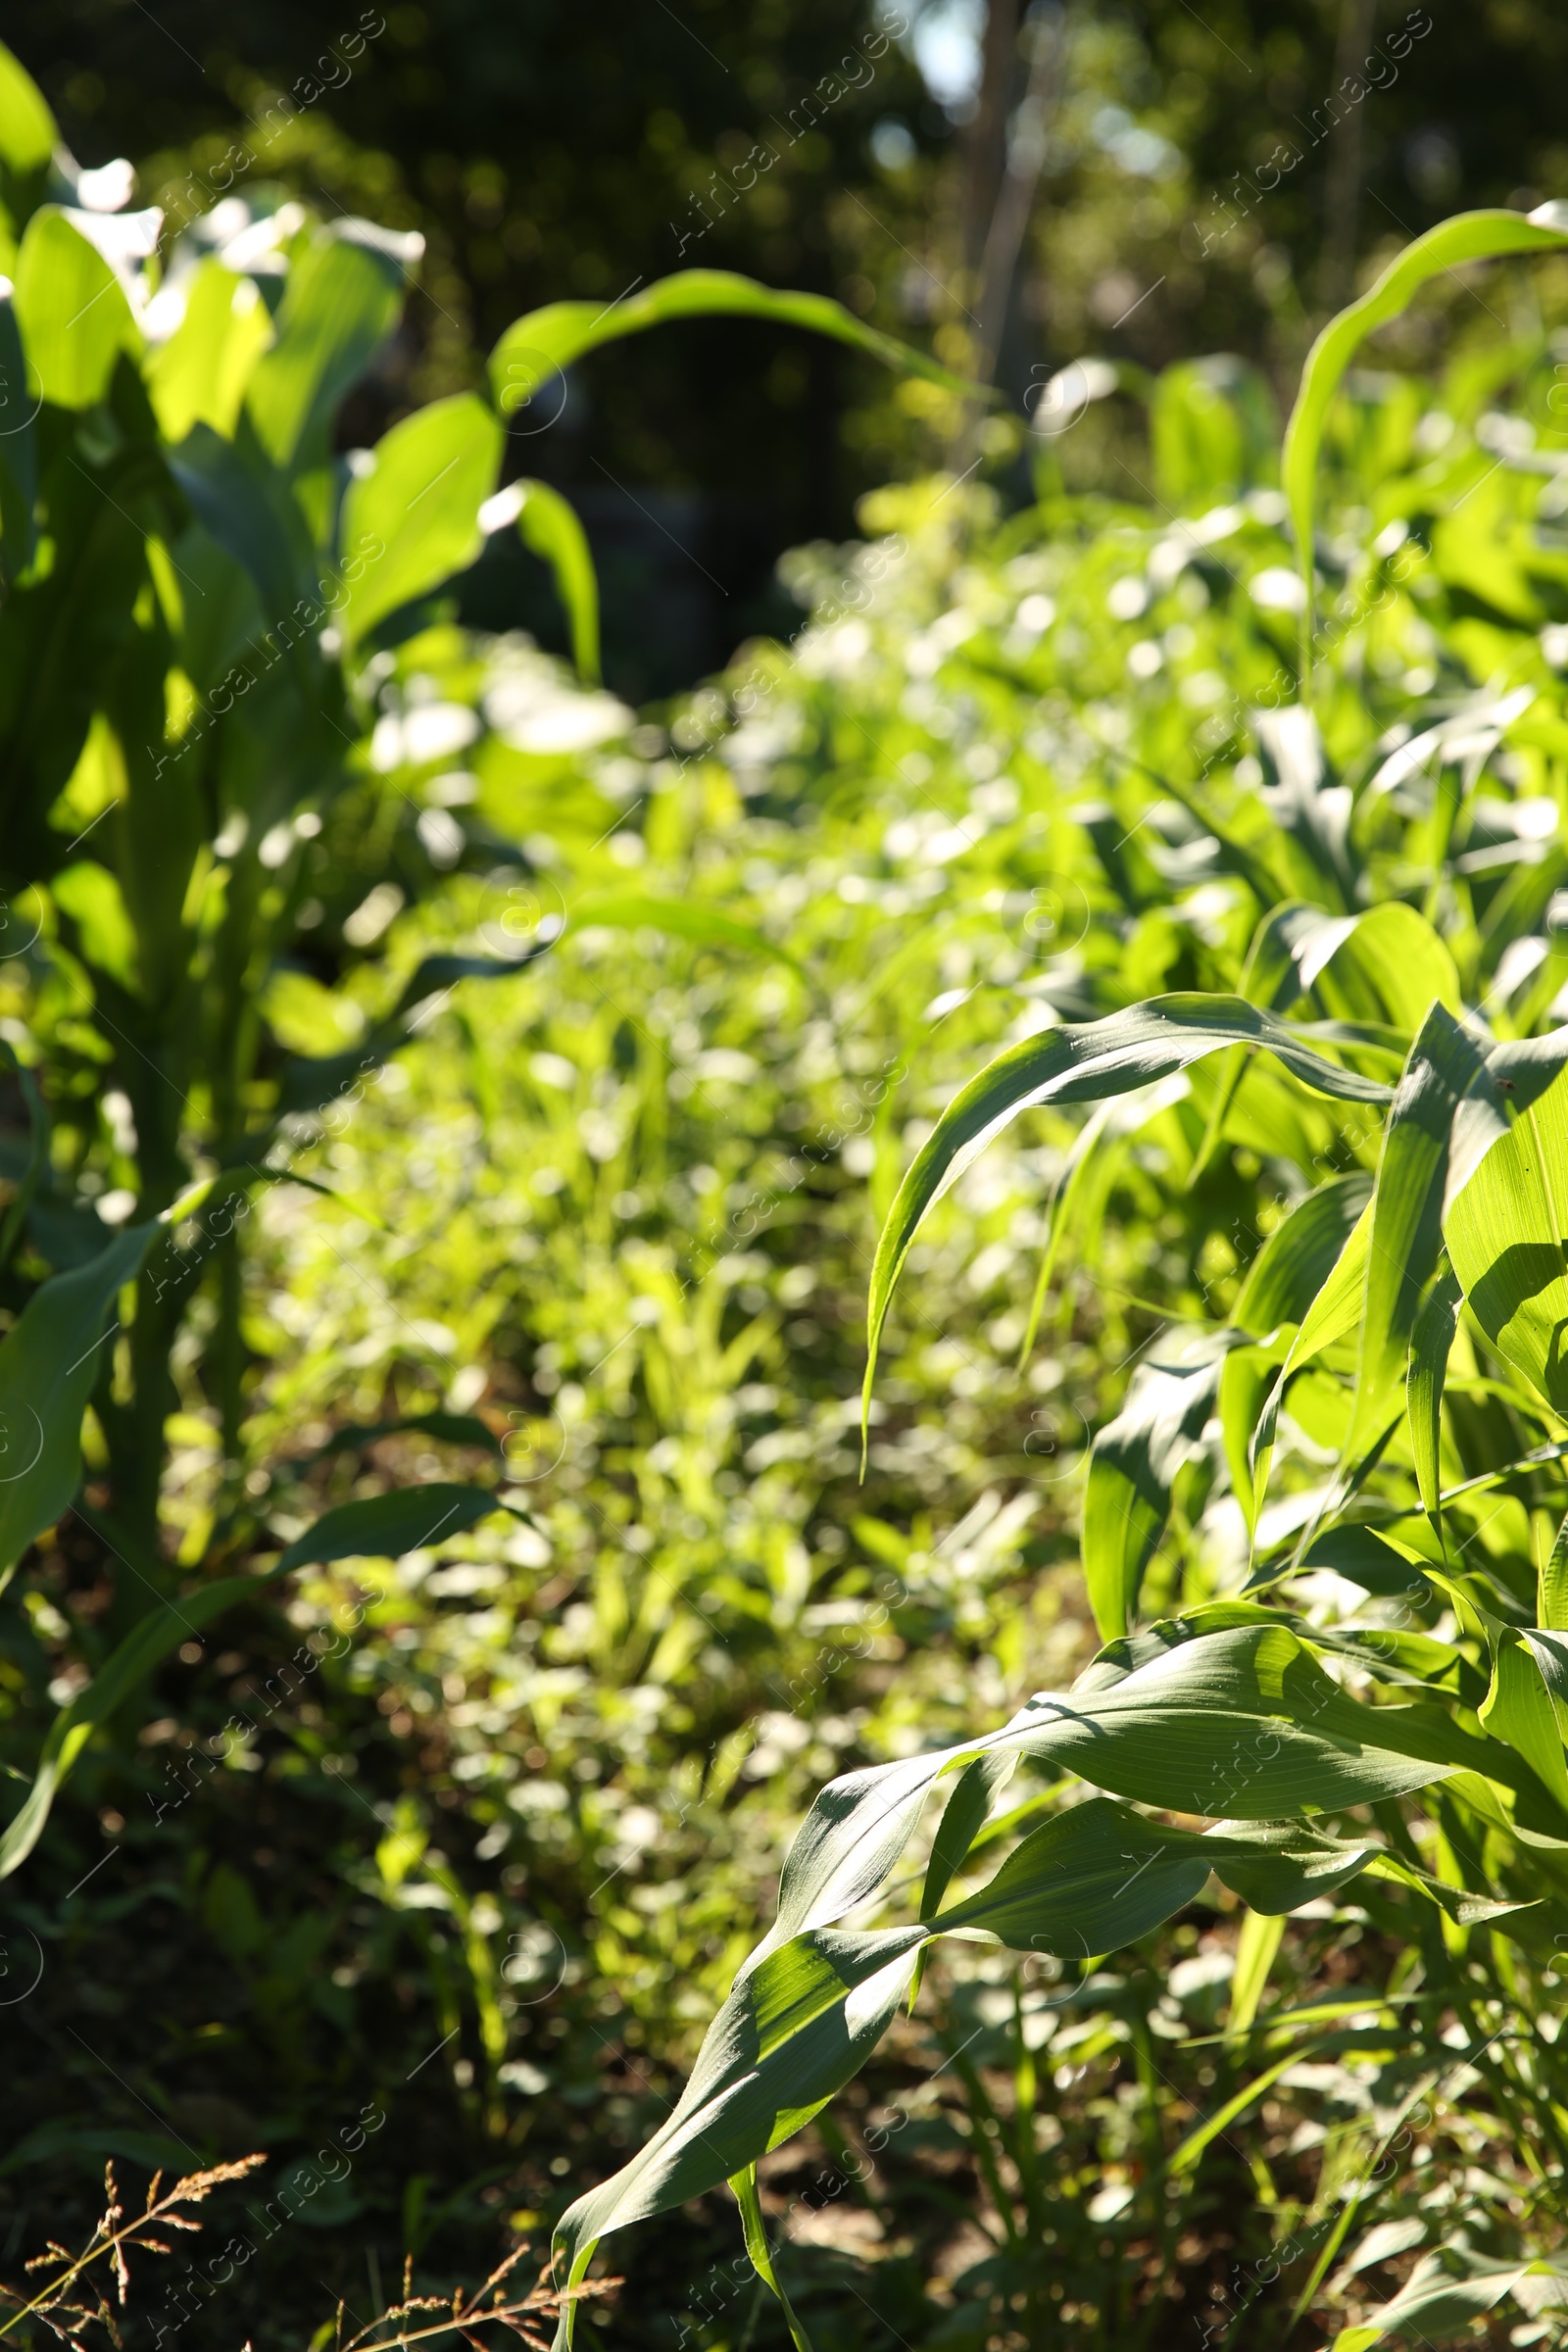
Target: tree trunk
[[1342, 195], [985, 141]]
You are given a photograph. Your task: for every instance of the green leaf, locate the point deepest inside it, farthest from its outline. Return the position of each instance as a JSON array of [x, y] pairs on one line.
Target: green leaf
[[411, 517], [1257, 1944], [1431, 1339], [757, 2247], [1364, 1557], [340, 302], [1083, 1062], [386, 1526], [49, 1360], [963, 1818], [1467, 237], [549, 525], [1551, 1605], [1392, 966], [1446, 1064], [28, 135], [72, 311], [1311, 811], [681, 918], [448, 1429], [1296, 1261], [1507, 1234], [126, 1669], [199, 375], [1518, 1708], [791, 2034], [1094, 1878], [1247, 1381], [1240, 1723], [536, 348], [1275, 1870], [241, 510], [1433, 2306], [1132, 1464], [18, 443]]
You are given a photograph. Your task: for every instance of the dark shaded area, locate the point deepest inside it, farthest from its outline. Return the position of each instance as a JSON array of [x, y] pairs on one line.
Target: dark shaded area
[[552, 153]]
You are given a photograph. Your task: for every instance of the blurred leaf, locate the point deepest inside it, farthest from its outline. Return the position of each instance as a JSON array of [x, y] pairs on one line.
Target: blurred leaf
[[681, 918], [386, 1526], [411, 517], [72, 311], [29, 133], [1257, 1944], [49, 1360], [537, 347], [340, 302], [199, 375], [549, 525]]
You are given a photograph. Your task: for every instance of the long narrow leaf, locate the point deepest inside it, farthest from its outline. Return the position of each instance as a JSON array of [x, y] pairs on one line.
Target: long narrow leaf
[[1467, 237], [538, 346], [1083, 1062]]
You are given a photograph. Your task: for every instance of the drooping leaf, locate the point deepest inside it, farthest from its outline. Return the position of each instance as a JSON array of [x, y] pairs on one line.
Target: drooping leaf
[[793, 2032], [1466, 237], [1083, 1062], [385, 1525], [1243, 1722], [532, 354], [165, 1626], [1089, 1880]]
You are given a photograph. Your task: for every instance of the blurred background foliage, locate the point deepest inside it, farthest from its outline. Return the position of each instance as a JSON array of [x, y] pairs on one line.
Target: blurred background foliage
[[484, 1870], [1201, 189]]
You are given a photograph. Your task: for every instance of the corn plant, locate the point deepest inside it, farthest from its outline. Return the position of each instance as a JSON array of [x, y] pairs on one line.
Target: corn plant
[[1383, 1397], [196, 585]]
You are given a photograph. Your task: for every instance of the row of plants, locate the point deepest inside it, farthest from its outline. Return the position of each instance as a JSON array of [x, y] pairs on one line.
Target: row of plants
[[601, 1237]]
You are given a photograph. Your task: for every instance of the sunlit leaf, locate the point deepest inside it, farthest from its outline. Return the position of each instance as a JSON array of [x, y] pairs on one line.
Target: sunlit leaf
[[1467, 237], [1083, 1062], [527, 362]]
